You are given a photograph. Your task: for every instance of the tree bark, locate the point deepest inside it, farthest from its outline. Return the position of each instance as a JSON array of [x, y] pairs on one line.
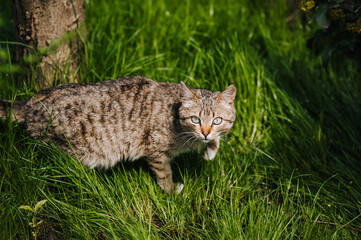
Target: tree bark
[[43, 24]]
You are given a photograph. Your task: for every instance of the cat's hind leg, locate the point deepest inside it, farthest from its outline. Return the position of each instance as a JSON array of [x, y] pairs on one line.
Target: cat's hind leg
[[211, 150]]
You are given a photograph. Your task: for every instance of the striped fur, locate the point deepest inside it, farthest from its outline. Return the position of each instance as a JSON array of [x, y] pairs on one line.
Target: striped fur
[[103, 123]]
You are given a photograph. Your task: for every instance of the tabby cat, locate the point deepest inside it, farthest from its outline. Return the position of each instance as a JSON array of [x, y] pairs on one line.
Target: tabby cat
[[126, 119]]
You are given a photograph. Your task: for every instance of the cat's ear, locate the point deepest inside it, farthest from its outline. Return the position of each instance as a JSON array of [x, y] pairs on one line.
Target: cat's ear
[[228, 95], [188, 94]]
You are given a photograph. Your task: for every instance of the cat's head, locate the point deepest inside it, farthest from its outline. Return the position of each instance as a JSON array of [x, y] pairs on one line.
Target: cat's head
[[207, 114]]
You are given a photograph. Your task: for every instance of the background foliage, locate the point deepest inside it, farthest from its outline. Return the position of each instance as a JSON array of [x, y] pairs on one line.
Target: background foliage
[[289, 169], [341, 27]]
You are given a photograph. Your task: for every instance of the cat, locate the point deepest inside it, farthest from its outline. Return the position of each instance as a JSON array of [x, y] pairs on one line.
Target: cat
[[102, 123]]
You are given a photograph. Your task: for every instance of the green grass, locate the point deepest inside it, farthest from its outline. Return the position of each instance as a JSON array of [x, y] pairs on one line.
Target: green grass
[[291, 166]]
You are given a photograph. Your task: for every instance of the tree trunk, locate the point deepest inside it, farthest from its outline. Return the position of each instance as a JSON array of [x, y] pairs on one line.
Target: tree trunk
[[45, 25]]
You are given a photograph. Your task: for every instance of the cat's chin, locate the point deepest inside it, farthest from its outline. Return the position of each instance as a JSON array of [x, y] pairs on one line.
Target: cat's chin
[[206, 140]]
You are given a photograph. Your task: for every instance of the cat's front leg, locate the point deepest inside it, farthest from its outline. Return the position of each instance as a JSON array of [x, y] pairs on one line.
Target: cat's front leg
[[163, 174], [211, 150]]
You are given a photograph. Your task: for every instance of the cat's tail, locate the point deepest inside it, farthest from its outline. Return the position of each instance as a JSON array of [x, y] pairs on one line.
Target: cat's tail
[[16, 108]]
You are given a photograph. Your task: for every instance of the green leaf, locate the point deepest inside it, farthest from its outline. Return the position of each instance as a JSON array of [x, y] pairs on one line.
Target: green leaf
[[326, 54], [322, 16], [38, 223], [357, 7], [26, 207], [333, 5], [39, 205]]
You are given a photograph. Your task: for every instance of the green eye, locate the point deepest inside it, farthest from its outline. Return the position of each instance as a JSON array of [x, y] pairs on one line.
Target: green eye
[[217, 121], [195, 119]]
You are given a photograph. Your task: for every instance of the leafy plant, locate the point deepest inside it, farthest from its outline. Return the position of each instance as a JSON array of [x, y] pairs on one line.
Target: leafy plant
[[341, 27], [35, 224]]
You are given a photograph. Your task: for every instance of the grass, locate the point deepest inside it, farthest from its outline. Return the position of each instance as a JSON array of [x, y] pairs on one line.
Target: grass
[[289, 170]]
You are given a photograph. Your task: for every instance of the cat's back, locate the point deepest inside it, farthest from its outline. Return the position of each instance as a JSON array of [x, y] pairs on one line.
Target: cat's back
[[134, 97], [109, 120], [126, 91], [125, 87]]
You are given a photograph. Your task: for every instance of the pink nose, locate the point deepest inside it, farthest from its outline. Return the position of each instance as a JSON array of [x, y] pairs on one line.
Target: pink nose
[[205, 133]]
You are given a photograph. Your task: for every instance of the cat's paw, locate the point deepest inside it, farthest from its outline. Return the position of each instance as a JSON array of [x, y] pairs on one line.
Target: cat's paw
[[178, 187], [209, 154]]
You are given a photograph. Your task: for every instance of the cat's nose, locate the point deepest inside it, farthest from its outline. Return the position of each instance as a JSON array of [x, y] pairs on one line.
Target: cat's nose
[[205, 134]]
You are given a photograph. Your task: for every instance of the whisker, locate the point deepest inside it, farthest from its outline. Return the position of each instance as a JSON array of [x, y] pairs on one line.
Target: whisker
[[193, 141], [189, 140], [181, 139], [183, 133], [225, 139], [180, 135]]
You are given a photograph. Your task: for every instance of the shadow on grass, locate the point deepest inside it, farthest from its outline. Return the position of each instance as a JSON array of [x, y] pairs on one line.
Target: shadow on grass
[[333, 102], [187, 163], [321, 141]]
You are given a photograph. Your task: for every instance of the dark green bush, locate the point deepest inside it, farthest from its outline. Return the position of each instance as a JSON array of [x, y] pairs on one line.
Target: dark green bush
[[341, 27]]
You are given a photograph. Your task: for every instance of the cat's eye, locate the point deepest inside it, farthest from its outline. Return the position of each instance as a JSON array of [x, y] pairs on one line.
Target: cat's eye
[[195, 120], [217, 121]]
